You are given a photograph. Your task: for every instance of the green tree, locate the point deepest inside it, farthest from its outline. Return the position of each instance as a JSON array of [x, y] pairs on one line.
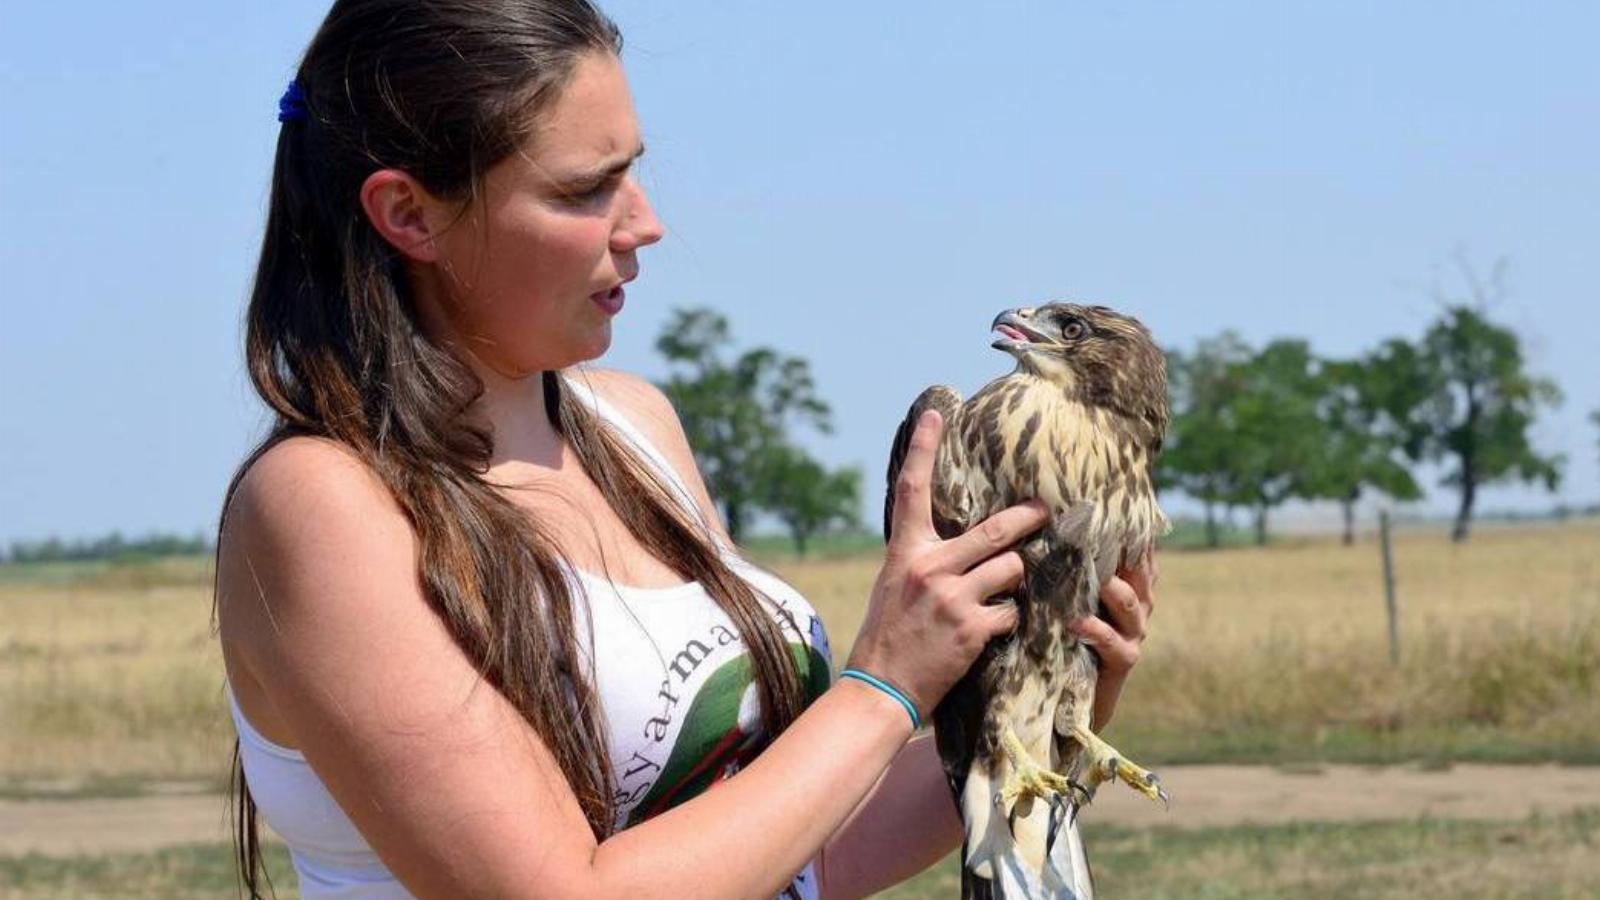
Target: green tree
[[1258, 428], [737, 411], [1279, 438], [806, 497], [1480, 407], [1198, 454], [1398, 386], [1363, 445]]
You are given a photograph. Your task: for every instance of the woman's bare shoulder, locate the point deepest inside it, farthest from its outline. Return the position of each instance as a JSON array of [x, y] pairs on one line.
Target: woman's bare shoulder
[[302, 481], [652, 412], [306, 511], [649, 409], [635, 396]]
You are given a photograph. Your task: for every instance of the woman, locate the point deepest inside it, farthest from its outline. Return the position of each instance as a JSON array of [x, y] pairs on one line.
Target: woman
[[448, 580]]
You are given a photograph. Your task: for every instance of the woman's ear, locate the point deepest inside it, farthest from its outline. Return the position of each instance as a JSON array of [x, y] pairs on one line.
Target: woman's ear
[[403, 212]]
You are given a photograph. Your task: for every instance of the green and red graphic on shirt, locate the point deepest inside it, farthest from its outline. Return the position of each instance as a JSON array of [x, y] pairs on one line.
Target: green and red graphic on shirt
[[722, 731]]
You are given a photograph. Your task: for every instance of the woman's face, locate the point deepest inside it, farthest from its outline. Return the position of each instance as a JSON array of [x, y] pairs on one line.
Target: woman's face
[[533, 274]]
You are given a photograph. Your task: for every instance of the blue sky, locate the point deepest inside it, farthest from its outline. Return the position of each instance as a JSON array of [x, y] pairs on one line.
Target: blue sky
[[861, 184]]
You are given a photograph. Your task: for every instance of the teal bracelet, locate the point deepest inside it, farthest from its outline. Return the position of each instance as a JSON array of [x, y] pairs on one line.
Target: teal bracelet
[[887, 688]]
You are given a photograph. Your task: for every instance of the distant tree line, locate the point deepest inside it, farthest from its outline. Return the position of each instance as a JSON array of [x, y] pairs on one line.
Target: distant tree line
[[1252, 428], [1255, 427], [109, 547]]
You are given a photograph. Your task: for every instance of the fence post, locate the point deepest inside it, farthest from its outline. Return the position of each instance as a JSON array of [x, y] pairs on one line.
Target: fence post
[[1388, 587]]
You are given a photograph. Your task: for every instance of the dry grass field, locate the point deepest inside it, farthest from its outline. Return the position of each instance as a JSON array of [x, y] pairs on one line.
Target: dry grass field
[[1280, 654], [109, 675], [110, 680]]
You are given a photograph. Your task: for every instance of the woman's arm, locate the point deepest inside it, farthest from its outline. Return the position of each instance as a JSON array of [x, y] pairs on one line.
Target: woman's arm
[[906, 824]]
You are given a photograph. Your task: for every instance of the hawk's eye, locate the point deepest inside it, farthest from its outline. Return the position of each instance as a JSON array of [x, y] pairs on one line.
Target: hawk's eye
[[1074, 329]]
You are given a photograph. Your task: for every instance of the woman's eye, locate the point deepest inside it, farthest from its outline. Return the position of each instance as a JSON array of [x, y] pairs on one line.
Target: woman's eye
[[583, 196]]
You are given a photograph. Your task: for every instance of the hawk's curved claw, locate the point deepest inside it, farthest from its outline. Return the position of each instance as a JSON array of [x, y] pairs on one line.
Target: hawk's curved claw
[[1084, 795], [1102, 763], [1028, 779]]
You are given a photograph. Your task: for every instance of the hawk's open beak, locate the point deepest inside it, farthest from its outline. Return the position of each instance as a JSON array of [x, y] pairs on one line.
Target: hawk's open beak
[[1016, 334]]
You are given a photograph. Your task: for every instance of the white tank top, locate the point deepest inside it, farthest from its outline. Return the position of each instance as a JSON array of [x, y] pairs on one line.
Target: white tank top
[[673, 678]]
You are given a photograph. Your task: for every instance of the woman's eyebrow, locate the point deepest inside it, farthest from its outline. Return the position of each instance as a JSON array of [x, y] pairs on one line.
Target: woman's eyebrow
[[605, 169]]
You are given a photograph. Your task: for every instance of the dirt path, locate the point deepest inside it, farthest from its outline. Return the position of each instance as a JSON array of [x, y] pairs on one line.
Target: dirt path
[[1233, 795], [1201, 796]]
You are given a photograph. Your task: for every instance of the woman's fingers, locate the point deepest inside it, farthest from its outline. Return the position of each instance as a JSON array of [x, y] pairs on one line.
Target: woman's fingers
[[1117, 653], [1143, 581], [1127, 611], [993, 535], [998, 618], [913, 489], [1128, 600], [1117, 641], [1117, 656], [997, 575]]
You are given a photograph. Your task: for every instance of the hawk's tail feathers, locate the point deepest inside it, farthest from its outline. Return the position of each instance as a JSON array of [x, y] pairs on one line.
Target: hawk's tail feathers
[[987, 843], [977, 816], [1069, 855], [993, 863]]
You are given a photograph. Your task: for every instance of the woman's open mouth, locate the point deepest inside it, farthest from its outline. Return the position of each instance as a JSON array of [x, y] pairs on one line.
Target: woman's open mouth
[[610, 301]]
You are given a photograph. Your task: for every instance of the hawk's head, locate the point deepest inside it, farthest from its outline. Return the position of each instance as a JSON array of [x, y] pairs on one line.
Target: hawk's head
[[1097, 355]]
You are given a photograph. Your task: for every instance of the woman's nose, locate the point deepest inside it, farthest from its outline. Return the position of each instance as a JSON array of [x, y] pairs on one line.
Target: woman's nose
[[639, 226]]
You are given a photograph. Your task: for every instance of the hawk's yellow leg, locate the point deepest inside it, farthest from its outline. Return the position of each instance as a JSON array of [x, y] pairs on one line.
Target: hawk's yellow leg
[[1104, 762], [1028, 778]]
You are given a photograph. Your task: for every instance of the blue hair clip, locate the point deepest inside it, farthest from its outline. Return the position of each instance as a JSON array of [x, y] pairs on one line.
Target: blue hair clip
[[292, 105]]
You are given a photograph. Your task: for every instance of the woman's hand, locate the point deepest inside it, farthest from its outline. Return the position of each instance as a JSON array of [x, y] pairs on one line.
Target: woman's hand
[[927, 620], [1129, 599]]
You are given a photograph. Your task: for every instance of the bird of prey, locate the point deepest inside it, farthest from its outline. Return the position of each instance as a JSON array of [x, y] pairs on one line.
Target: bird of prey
[[1077, 425]]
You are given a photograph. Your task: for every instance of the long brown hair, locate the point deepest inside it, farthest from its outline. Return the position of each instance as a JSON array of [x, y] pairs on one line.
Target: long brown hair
[[444, 89]]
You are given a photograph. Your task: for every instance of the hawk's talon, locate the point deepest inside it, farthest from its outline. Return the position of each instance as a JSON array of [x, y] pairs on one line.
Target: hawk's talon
[[1053, 824], [1085, 796], [1103, 763], [1028, 779]]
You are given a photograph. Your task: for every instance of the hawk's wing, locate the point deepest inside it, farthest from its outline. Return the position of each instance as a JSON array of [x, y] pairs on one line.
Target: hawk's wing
[[947, 518], [958, 719]]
